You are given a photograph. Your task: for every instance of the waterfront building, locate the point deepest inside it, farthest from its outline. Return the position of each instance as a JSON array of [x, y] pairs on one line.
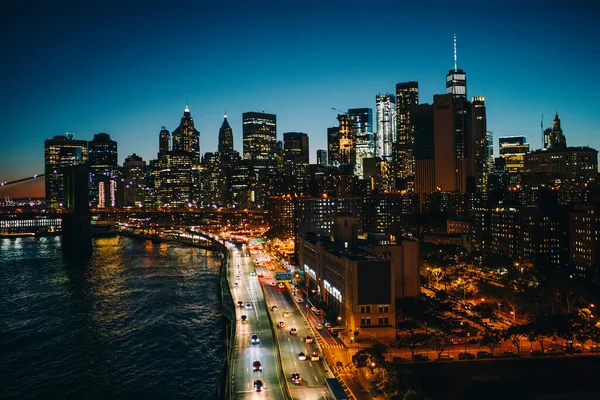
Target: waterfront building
[[104, 170], [59, 152], [134, 181]]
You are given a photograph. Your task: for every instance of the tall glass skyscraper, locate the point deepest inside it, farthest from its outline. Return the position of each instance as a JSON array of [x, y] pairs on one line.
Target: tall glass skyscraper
[[104, 170], [186, 138], [59, 152], [407, 97], [386, 126], [362, 122], [456, 79]]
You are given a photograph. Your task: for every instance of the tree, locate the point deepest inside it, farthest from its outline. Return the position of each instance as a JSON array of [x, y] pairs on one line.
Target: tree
[[437, 274], [491, 338], [361, 358], [366, 357], [515, 335], [484, 310], [439, 341], [515, 284]]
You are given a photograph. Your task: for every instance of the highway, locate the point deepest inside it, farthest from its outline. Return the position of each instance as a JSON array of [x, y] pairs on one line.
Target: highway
[[248, 291], [312, 373]]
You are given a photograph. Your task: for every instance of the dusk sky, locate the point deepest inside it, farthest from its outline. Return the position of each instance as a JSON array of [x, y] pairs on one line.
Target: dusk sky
[[125, 68]]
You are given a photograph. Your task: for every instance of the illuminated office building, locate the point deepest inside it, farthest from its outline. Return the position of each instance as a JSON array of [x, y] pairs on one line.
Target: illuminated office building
[[322, 157], [513, 149], [104, 169], [477, 147], [186, 138], [59, 152], [225, 137], [386, 125], [164, 142], [362, 119], [333, 146], [134, 182], [407, 96], [347, 147], [456, 79], [260, 148]]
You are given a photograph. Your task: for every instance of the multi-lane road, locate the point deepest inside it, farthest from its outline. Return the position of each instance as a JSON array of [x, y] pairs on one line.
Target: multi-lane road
[[248, 291], [257, 291]]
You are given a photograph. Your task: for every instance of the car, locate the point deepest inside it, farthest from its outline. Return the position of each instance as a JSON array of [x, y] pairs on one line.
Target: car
[[554, 353], [281, 285], [314, 356], [420, 358], [484, 354], [317, 312], [313, 309], [244, 318], [255, 339], [273, 308], [240, 304], [455, 340], [445, 357], [295, 377], [248, 306], [537, 353], [252, 273], [286, 314], [472, 341], [281, 324], [299, 300], [327, 325], [318, 326], [260, 275], [509, 354], [257, 366], [258, 385], [594, 349], [293, 331], [466, 356], [237, 277], [236, 285], [272, 283], [301, 356], [308, 339]]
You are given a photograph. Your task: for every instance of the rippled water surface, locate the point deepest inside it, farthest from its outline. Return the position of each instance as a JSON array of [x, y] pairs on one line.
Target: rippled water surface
[[139, 319]]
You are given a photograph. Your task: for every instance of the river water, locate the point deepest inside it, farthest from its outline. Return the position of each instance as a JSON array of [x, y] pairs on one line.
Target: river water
[[137, 320]]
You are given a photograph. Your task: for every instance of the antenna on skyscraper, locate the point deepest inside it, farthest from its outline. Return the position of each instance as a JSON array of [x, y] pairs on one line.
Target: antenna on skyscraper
[[542, 128], [455, 63]]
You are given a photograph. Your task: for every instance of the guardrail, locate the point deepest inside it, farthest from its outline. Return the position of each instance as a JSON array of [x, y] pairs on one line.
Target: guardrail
[[229, 314]]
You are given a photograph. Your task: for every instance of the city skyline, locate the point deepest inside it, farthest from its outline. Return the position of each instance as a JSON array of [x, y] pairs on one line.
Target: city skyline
[[86, 80]]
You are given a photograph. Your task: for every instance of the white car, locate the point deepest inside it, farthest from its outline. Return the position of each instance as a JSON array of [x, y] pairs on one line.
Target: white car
[[301, 356], [248, 306], [299, 300]]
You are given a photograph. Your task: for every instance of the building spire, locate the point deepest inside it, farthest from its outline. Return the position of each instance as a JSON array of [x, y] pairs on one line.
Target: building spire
[[225, 114], [455, 63], [187, 109]]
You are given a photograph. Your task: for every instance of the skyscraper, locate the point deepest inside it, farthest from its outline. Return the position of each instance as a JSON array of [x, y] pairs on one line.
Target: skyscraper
[[512, 150], [333, 146], [478, 152], [104, 170], [186, 138], [407, 96], [456, 79], [133, 175], [225, 137], [259, 135], [557, 138], [164, 141], [59, 152], [347, 147], [260, 148], [386, 126], [362, 119], [295, 147], [322, 157]]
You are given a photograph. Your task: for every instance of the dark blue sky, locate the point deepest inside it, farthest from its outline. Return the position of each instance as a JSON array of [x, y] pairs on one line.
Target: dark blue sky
[[125, 68]]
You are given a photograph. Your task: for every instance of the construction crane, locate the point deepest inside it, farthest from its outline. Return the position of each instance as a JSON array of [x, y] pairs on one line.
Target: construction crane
[[343, 112]]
